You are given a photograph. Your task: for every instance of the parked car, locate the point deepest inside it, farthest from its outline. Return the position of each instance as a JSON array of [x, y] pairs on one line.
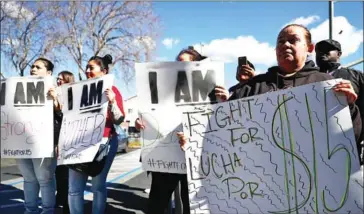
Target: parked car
[[133, 132]]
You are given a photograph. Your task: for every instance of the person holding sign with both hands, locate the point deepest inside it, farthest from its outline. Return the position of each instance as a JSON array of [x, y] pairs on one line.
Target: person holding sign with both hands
[[163, 184], [39, 173], [293, 46], [97, 67]]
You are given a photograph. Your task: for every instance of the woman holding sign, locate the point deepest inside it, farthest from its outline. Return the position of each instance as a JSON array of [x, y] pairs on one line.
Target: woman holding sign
[[96, 67], [163, 184], [64, 77], [38, 173], [292, 49]]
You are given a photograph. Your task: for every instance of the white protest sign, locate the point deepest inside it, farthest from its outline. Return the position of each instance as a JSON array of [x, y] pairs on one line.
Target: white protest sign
[[26, 117], [84, 117], [160, 87], [291, 151]]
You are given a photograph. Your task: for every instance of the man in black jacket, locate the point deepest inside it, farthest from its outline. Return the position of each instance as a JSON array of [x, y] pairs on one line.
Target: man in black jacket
[[328, 53]]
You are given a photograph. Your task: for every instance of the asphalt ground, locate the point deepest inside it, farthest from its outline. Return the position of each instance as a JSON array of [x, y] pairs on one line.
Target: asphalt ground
[[126, 187]]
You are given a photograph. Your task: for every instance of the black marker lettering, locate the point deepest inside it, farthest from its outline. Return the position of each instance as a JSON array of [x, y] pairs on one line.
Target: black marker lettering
[[202, 85], [153, 87], [95, 93], [36, 92], [182, 91], [2, 93], [19, 94]]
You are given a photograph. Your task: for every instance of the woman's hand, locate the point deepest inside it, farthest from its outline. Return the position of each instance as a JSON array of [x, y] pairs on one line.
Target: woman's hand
[[110, 95], [139, 124], [182, 140], [221, 93], [345, 87], [52, 94]]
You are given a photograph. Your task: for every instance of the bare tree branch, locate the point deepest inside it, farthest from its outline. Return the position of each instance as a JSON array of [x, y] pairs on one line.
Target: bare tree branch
[[25, 33], [117, 28]]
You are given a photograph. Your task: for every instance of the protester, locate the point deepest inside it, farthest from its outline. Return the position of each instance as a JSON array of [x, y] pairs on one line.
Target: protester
[[97, 67], [163, 184], [293, 45], [64, 77], [328, 53], [38, 173], [243, 74]]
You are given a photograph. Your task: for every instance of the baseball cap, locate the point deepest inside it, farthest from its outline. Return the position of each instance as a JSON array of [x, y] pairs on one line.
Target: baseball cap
[[328, 44]]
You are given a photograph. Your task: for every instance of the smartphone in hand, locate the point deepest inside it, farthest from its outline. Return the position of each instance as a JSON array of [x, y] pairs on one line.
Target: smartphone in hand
[[242, 61]]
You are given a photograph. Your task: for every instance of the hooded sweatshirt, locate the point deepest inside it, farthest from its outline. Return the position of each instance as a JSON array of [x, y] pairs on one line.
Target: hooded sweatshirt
[[273, 81]]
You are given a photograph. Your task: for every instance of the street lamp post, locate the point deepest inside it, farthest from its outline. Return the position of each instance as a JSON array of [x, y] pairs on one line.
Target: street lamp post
[[331, 16]]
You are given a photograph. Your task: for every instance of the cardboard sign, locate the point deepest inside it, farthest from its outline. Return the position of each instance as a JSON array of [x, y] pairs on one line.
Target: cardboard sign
[[290, 151], [160, 87], [84, 117], [26, 117]]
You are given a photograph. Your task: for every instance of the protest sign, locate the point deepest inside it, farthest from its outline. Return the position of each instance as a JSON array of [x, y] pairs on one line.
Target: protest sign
[[290, 151], [84, 116], [160, 87], [26, 117]]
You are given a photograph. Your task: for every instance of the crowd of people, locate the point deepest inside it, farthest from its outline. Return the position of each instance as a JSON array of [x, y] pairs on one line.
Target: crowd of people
[[62, 186], [294, 68]]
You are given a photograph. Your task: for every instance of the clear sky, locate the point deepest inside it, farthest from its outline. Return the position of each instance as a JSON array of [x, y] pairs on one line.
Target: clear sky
[[228, 30]]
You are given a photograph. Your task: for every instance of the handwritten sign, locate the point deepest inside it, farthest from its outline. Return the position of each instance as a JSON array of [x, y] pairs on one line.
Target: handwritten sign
[[291, 151], [26, 118], [84, 117], [160, 87]]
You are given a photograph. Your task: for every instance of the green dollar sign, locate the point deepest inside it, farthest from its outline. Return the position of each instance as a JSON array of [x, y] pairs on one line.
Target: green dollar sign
[[290, 152]]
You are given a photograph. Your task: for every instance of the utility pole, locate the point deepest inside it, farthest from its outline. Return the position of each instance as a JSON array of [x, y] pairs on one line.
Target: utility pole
[[331, 17]]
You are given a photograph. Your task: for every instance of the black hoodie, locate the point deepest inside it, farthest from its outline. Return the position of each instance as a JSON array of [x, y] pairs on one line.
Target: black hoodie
[[273, 81]]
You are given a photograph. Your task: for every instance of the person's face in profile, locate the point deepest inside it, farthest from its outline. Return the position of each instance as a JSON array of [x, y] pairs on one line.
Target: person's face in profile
[[185, 57], [93, 70], [39, 69], [326, 55], [292, 48]]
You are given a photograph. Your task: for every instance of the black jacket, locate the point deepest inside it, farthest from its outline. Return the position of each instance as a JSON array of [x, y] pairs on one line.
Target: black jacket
[[233, 88], [57, 122], [272, 81]]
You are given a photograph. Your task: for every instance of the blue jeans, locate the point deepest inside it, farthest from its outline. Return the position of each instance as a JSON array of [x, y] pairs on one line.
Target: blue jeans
[[37, 176], [77, 185]]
